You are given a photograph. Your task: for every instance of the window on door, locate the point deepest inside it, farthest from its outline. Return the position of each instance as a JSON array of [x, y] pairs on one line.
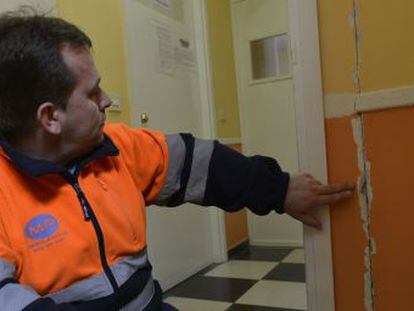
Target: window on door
[[270, 57]]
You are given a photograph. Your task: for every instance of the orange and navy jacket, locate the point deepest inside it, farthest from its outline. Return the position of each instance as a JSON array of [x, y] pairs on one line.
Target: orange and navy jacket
[[74, 238]]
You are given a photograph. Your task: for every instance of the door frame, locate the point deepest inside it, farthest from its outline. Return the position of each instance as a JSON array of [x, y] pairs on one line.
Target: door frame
[[308, 101], [217, 221]]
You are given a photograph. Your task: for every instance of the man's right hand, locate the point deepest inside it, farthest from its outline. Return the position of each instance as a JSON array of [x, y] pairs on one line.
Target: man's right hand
[[305, 194]]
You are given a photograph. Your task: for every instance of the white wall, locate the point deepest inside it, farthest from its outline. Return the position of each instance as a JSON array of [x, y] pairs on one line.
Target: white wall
[[275, 230], [42, 6]]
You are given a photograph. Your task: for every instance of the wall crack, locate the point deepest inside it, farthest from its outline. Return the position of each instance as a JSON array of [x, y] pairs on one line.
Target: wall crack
[[364, 181], [358, 58], [365, 201]]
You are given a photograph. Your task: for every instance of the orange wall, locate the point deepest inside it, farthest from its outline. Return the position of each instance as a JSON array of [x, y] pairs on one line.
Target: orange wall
[[388, 136], [347, 234], [236, 228], [366, 47], [339, 60]]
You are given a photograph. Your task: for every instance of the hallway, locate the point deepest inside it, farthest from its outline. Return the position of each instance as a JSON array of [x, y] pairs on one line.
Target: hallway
[[254, 279]]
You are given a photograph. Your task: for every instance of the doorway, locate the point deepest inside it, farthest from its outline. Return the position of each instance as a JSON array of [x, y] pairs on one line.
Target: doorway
[[278, 54], [266, 88]]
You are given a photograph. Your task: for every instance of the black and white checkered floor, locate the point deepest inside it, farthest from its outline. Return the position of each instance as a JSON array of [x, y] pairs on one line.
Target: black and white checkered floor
[[255, 279]]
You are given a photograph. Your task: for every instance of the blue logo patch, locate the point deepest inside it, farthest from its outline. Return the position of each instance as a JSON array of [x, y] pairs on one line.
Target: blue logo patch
[[41, 227]]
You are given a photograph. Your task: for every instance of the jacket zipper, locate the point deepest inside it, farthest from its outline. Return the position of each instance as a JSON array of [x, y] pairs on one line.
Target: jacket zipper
[[89, 215]]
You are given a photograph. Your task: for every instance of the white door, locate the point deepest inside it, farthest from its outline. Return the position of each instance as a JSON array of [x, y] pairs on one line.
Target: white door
[[262, 45], [164, 85]]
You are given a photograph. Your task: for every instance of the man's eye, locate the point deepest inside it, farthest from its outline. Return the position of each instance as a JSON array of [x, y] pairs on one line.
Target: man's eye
[[95, 94]]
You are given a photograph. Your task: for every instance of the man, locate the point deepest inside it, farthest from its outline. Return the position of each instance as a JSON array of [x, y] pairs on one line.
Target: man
[[73, 191]]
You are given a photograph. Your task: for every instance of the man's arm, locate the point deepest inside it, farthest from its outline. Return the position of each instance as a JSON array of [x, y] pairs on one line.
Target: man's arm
[[16, 297], [208, 173]]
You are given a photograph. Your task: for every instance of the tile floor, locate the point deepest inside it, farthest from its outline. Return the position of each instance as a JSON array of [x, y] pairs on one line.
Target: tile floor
[[255, 279]]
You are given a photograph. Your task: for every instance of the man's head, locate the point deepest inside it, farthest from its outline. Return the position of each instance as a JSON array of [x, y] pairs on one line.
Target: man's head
[[48, 81]]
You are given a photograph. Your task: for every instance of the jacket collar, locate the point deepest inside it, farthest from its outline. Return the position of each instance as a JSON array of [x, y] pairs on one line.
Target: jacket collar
[[36, 168]]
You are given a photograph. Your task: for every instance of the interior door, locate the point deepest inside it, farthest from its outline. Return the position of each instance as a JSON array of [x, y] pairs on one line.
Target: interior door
[[165, 95], [262, 45]]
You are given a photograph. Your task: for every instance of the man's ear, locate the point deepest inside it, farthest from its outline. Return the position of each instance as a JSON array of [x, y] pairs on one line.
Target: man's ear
[[49, 117]]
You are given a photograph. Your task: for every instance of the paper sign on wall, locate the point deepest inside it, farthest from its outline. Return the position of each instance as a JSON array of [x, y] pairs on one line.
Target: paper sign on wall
[[166, 57], [165, 3], [172, 8]]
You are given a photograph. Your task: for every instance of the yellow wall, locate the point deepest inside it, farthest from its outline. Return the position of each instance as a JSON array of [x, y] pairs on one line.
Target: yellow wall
[[386, 44], [103, 21], [223, 67], [337, 45]]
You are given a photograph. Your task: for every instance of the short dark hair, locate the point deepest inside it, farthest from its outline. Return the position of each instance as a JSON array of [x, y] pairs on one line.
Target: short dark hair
[[32, 70]]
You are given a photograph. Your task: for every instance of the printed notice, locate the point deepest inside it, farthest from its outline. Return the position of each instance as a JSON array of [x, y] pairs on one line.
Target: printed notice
[[171, 8], [164, 3], [166, 55]]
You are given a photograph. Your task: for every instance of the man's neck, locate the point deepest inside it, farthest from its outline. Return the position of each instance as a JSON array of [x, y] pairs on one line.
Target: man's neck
[[43, 148]]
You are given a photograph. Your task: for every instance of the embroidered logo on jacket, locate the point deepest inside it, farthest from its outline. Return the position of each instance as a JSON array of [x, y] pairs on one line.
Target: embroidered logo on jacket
[[41, 227]]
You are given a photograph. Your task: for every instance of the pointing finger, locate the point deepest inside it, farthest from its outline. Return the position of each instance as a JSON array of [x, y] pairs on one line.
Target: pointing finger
[[334, 198], [335, 188]]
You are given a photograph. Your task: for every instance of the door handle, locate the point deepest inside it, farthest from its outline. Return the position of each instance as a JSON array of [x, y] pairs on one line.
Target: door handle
[[144, 118]]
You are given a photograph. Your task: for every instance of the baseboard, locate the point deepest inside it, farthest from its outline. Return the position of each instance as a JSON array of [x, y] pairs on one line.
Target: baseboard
[[180, 277], [277, 243], [230, 140]]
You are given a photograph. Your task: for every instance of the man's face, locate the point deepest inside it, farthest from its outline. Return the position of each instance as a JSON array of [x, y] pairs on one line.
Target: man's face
[[84, 116]]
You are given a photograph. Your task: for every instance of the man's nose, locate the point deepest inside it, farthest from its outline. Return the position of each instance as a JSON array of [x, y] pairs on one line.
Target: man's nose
[[106, 101]]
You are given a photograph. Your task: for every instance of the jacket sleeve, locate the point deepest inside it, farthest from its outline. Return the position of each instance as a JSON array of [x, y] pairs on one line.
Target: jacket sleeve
[[16, 297], [207, 173]]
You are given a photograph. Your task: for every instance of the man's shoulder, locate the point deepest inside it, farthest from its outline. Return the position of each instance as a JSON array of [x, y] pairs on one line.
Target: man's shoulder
[[125, 137], [114, 128]]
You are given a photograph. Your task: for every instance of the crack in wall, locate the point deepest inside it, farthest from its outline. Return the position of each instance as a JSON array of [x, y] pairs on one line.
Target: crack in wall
[[358, 58], [364, 181], [365, 200]]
